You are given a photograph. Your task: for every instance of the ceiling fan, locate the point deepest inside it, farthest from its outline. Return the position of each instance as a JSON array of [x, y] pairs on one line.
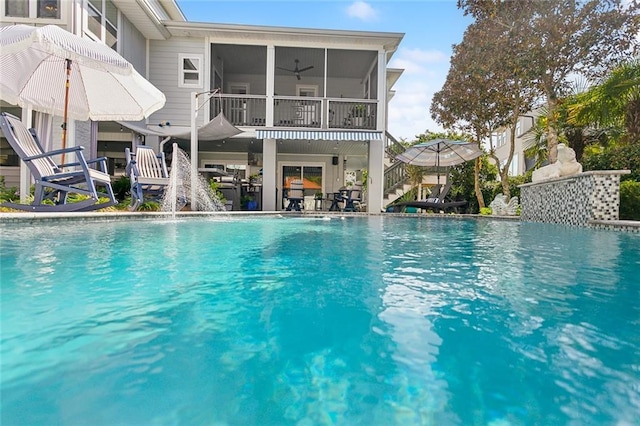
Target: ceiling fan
[[296, 71]]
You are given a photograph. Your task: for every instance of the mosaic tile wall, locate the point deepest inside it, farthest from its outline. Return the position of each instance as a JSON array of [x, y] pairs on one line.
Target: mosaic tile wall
[[573, 200]]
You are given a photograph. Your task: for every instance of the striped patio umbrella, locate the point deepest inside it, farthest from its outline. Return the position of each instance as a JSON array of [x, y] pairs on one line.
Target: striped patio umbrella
[[440, 153], [56, 72]]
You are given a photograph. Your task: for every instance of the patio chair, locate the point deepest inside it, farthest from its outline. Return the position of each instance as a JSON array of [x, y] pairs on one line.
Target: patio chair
[[148, 174], [354, 197], [295, 195], [54, 182], [439, 203]]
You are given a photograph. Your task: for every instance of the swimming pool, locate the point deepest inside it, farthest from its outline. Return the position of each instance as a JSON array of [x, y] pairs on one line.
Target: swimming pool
[[360, 320]]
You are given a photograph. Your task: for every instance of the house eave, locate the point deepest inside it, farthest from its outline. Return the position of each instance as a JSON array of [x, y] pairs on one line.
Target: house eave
[[365, 39]]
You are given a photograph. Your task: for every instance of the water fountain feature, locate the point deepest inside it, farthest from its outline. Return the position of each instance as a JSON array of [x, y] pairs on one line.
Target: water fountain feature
[[178, 194]]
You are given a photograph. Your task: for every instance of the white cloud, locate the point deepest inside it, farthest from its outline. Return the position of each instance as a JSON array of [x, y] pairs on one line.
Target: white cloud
[[363, 11], [425, 73]]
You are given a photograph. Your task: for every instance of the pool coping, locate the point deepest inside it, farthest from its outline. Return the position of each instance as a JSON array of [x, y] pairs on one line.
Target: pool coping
[[44, 217]]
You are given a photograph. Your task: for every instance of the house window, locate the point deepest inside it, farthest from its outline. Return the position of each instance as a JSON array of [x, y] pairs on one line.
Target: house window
[[513, 166], [48, 9], [306, 90], [102, 22], [190, 70], [518, 128]]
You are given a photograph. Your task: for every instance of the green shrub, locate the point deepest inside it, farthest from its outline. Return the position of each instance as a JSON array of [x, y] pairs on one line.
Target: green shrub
[[8, 194], [622, 157], [630, 200], [121, 187], [485, 211], [150, 206]]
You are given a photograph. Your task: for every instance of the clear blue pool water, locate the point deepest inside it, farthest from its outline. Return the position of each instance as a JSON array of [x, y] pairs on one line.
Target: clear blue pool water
[[283, 321]]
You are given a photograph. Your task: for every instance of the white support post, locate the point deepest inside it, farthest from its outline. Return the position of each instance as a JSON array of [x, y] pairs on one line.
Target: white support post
[[25, 175], [376, 176], [271, 75], [194, 151], [269, 166]]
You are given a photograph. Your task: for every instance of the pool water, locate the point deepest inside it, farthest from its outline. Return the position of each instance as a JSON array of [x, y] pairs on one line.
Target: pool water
[[310, 321]]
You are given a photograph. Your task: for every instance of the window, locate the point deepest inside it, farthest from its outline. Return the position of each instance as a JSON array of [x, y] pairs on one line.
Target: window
[[43, 9], [102, 22], [306, 90], [502, 139], [190, 70], [513, 167], [518, 128]]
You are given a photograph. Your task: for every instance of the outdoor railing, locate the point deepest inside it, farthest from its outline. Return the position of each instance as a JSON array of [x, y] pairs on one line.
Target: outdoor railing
[[297, 112], [394, 176], [241, 110]]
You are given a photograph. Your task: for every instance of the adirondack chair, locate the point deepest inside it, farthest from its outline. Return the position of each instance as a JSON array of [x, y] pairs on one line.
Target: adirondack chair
[[148, 174], [54, 182]]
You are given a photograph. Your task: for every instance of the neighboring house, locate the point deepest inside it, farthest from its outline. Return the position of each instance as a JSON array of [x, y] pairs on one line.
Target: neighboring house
[[525, 139], [310, 103]]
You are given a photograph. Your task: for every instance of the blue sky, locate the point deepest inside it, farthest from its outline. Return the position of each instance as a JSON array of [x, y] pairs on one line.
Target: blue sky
[[430, 28]]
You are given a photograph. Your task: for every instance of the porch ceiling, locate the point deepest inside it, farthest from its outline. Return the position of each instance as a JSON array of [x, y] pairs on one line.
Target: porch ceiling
[[240, 59]]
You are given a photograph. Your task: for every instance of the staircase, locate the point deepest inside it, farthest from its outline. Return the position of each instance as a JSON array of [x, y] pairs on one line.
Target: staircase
[[395, 179]]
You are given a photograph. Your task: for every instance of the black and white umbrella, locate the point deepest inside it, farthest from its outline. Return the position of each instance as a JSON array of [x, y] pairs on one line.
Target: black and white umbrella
[[440, 153], [54, 71]]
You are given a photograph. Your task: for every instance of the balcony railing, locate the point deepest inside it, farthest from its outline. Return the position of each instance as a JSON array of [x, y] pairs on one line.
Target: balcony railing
[[297, 112], [241, 110]]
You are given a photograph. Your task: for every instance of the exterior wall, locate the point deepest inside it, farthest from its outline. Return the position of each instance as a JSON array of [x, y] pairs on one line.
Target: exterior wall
[[11, 176], [133, 45], [573, 200], [163, 73]]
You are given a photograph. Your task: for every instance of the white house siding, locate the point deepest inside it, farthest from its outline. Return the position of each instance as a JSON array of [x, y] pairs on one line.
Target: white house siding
[[133, 46], [163, 73], [11, 176]]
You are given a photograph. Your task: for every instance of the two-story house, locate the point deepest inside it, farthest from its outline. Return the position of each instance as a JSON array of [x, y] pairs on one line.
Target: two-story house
[[310, 103], [525, 139]]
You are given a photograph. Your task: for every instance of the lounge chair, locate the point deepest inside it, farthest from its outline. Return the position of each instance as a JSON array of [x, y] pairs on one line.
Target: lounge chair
[[148, 174], [54, 182], [353, 198], [439, 203], [295, 195]]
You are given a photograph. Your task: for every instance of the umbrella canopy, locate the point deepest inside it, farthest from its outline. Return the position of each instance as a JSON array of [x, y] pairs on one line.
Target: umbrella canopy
[[440, 153], [102, 85]]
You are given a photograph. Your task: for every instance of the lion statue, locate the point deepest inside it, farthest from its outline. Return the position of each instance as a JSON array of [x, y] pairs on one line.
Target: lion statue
[[565, 166]]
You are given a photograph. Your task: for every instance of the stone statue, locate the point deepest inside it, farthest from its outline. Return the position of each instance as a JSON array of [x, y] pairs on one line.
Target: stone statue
[[565, 166], [500, 206]]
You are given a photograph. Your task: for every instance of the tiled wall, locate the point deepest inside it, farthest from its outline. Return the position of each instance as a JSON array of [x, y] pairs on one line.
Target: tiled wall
[[573, 200]]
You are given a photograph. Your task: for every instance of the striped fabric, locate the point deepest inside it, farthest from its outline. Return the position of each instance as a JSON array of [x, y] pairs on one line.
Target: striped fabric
[[103, 85], [327, 135]]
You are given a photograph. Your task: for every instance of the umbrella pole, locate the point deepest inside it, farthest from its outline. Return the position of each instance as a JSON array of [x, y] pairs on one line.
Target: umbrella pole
[[438, 164], [66, 107]]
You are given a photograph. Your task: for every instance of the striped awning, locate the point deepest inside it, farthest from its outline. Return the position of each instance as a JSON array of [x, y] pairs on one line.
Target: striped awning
[[327, 135]]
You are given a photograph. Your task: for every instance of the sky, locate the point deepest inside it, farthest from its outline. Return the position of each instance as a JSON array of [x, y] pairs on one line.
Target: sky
[[431, 27]]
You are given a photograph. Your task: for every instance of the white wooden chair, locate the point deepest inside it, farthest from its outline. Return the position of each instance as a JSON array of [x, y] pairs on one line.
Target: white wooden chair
[[148, 174]]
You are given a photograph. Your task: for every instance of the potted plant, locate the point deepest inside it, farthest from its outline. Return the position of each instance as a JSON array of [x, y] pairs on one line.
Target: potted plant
[[358, 113]]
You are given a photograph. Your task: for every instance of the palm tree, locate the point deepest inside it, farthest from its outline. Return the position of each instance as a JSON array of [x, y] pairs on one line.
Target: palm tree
[[615, 102]]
